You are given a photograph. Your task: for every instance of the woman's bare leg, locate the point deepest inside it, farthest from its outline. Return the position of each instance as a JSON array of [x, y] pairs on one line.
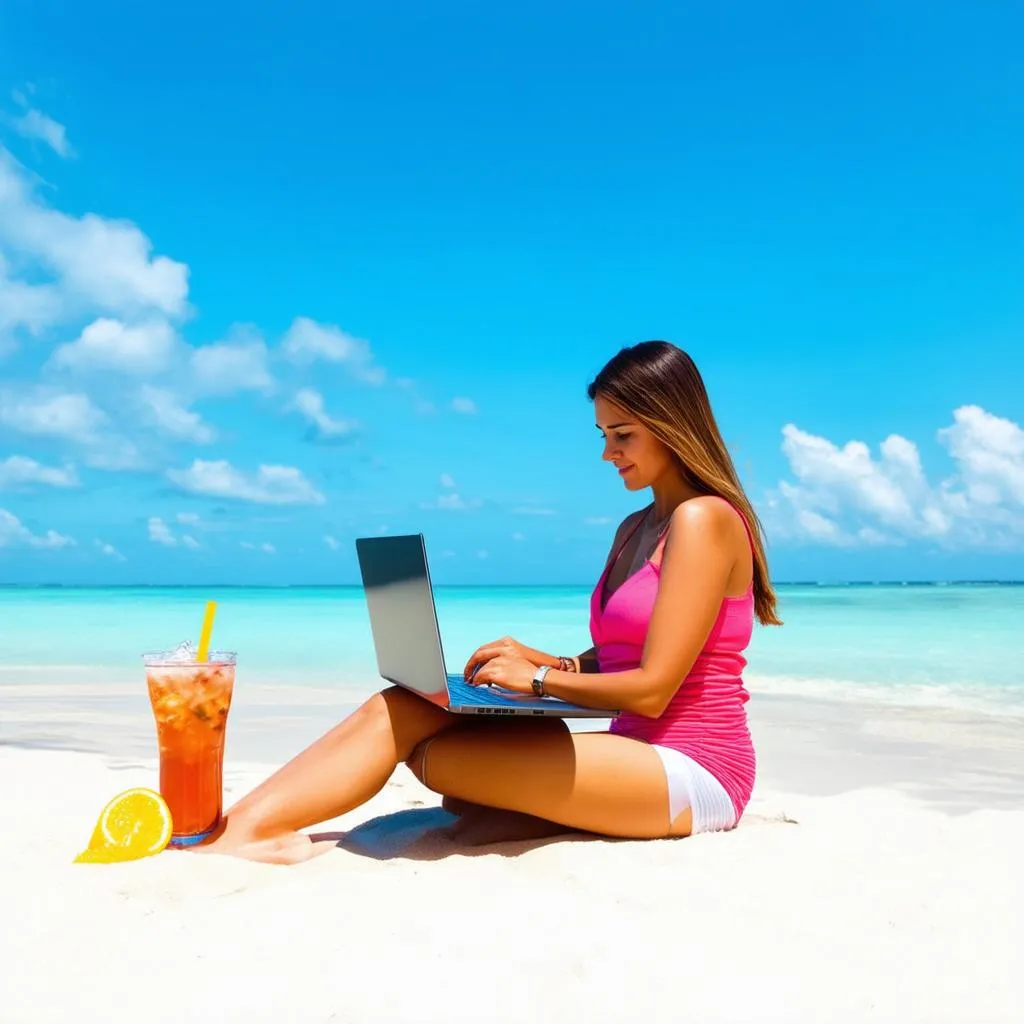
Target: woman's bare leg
[[340, 771], [591, 782]]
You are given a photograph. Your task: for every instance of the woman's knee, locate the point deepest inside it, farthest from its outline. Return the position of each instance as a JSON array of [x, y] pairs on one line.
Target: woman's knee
[[410, 719]]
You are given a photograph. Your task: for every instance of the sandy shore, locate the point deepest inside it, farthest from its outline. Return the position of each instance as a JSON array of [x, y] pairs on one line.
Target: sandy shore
[[860, 886]]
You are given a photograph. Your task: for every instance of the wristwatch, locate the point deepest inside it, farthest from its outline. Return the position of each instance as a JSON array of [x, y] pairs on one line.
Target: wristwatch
[[538, 680]]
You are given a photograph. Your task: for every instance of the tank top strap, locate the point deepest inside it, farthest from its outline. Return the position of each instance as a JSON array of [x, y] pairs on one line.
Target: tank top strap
[[629, 534], [746, 525], [659, 548]]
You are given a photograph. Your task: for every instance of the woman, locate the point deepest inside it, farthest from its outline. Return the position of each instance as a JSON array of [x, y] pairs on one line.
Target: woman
[[670, 617]]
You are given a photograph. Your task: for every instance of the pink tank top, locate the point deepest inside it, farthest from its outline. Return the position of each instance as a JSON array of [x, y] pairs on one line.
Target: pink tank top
[[706, 718]]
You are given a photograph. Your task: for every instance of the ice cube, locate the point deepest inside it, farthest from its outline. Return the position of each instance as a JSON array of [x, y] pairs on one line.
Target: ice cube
[[185, 652]]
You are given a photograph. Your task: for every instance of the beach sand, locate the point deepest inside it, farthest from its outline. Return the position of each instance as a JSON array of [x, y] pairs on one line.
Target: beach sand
[[874, 877]]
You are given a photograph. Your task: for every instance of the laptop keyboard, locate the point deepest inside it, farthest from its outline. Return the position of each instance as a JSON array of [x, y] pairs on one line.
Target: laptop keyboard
[[462, 693]]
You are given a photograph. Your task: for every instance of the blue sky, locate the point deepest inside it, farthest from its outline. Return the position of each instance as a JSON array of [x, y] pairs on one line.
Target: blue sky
[[272, 281]]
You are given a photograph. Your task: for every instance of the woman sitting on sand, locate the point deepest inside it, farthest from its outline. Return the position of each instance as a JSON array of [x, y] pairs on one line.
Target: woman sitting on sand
[[670, 618]]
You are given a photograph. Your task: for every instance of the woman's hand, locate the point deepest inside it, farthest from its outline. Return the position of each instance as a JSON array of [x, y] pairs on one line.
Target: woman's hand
[[510, 673], [506, 647]]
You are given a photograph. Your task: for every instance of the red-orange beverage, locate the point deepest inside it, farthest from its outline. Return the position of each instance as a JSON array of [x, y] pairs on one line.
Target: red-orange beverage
[[190, 704]]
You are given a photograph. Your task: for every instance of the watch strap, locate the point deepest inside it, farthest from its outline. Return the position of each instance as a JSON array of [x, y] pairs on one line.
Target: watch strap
[[538, 680]]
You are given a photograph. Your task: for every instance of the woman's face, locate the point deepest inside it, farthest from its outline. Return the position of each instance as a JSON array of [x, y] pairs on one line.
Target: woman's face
[[636, 453]]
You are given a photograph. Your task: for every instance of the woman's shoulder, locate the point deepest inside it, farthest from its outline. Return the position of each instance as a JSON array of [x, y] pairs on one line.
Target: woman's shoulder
[[708, 518], [706, 510]]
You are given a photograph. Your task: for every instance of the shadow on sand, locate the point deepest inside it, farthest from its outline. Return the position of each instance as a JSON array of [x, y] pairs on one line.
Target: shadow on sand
[[432, 833]]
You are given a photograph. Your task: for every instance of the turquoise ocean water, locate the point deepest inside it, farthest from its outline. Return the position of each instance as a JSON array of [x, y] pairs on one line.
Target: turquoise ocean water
[[955, 645]]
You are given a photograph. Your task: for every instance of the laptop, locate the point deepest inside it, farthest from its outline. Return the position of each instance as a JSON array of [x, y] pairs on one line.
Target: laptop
[[403, 619]]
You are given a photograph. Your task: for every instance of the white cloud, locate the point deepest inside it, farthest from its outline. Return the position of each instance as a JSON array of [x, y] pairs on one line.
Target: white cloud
[[310, 404], [187, 518], [307, 341], [267, 549], [51, 539], [110, 551], [171, 417], [847, 496], [13, 534], [421, 406], [270, 485], [34, 124], [19, 471], [464, 405], [143, 348], [229, 366], [112, 453], [447, 481], [451, 502], [29, 305], [332, 542], [69, 416], [529, 510], [518, 536], [990, 454], [596, 521], [98, 263], [160, 533], [47, 413]]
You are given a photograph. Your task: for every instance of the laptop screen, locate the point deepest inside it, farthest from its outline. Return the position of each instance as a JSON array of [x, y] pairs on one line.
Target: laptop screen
[[403, 618]]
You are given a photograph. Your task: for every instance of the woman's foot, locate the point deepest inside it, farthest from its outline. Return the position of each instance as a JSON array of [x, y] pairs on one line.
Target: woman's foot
[[286, 848]]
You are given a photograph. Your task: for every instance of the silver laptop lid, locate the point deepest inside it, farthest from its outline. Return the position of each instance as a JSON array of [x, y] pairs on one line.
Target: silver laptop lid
[[403, 617]]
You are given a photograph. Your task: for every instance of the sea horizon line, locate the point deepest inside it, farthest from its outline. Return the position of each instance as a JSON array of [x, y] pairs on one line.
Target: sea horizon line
[[487, 586]]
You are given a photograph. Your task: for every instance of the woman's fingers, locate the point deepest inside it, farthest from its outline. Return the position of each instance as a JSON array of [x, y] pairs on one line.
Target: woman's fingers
[[488, 673], [505, 647], [479, 656]]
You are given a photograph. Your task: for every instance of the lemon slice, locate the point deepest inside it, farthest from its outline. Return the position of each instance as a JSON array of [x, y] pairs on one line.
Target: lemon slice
[[136, 823]]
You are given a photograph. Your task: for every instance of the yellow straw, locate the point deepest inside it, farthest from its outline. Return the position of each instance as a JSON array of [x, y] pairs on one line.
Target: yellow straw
[[204, 637]]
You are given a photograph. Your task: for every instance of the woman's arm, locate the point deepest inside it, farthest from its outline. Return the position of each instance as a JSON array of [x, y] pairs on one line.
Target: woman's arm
[[699, 557]]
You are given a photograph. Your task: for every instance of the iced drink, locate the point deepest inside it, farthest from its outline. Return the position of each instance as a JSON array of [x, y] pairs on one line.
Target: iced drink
[[190, 702]]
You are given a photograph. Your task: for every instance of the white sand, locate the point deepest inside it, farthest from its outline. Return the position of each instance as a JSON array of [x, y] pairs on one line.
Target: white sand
[[871, 906]]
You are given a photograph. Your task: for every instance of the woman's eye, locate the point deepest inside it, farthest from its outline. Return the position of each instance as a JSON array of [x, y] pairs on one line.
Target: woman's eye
[[622, 437]]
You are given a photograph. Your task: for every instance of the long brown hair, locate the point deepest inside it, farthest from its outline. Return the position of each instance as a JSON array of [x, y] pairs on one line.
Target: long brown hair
[[660, 385]]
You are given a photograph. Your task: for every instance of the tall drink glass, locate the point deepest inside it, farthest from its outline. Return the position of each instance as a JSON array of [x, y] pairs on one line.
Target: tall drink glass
[[190, 701]]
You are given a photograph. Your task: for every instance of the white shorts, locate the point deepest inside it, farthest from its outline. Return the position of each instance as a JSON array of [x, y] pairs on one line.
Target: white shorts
[[691, 785]]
